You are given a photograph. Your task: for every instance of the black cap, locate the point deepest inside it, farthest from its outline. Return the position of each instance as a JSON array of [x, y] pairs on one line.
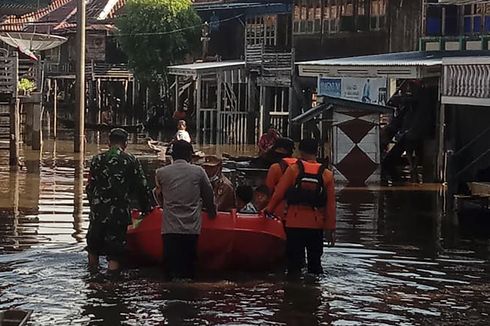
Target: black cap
[[118, 134], [309, 146], [286, 143]]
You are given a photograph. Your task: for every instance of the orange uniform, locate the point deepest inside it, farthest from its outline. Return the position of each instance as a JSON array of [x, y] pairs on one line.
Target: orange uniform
[[305, 216], [274, 175], [276, 171]]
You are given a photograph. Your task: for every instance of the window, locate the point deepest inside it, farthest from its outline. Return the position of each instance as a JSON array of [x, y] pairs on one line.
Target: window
[[434, 21], [476, 18], [378, 13], [347, 16], [307, 16], [487, 18], [261, 30], [363, 15]]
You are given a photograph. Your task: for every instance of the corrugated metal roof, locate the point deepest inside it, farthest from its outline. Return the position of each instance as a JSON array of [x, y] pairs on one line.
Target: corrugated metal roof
[[61, 15], [417, 58], [205, 66]]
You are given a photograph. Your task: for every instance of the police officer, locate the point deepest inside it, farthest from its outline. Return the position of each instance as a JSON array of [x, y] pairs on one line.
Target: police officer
[[308, 188], [114, 176]]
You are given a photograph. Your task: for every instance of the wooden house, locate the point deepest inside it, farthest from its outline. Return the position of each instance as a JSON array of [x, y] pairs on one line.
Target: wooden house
[[109, 80]]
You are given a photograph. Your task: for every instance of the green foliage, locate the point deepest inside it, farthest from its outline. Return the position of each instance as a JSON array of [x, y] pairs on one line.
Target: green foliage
[[157, 33], [25, 85]]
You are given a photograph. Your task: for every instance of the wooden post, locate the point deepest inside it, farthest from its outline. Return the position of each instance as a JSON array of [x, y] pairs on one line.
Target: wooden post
[[28, 108], [176, 93], [197, 100], [14, 132], [55, 108], [78, 195], [219, 103], [36, 122], [79, 140]]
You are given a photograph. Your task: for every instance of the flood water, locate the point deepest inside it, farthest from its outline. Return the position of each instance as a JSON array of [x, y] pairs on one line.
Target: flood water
[[401, 259]]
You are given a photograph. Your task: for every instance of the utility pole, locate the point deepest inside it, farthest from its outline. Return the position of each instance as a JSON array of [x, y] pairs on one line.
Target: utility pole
[[79, 140]]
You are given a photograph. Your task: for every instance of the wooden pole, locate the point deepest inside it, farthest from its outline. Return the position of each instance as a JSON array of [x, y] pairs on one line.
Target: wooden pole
[[197, 100], [55, 107], [14, 116], [14, 132], [80, 81], [36, 121]]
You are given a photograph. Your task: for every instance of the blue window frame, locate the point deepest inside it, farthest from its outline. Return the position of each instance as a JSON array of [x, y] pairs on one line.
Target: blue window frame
[[477, 24]]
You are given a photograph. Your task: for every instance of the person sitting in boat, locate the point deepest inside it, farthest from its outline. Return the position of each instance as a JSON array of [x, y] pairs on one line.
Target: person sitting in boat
[[182, 189], [244, 197], [267, 141], [224, 192], [182, 133], [261, 197]]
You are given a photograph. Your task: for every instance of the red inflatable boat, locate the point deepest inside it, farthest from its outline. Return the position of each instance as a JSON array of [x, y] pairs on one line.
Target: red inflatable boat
[[230, 241]]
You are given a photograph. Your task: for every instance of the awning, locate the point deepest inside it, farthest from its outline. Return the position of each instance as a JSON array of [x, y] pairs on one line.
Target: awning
[[248, 8], [203, 68], [401, 65], [329, 102]]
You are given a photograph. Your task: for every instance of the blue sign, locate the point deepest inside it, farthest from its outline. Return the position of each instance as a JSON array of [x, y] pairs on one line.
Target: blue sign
[[330, 87]]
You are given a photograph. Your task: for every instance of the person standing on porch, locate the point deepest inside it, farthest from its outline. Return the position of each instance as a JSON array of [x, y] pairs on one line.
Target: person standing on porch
[[181, 186]]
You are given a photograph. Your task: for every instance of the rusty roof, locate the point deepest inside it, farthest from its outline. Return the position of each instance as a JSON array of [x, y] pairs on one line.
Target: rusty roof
[[60, 16]]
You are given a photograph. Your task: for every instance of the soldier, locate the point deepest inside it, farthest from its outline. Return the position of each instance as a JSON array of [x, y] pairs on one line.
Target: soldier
[[114, 176]]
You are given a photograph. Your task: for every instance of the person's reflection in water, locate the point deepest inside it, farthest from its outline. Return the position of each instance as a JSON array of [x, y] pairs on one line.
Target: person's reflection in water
[[179, 306], [104, 305], [303, 305]]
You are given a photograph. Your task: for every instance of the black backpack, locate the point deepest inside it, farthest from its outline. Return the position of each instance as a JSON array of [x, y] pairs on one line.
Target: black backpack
[[309, 189]]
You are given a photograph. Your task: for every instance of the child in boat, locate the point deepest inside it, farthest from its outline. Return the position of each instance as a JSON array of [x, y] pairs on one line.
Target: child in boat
[[261, 197], [244, 197], [182, 133]]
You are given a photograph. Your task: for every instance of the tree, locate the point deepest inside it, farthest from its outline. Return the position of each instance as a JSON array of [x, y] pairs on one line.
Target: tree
[[157, 33]]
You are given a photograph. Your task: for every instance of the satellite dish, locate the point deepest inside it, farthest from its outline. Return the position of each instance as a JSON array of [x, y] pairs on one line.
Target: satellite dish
[[28, 43]]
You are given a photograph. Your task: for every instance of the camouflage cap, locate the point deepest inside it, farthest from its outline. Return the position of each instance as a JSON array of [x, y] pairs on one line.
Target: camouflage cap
[[118, 133]]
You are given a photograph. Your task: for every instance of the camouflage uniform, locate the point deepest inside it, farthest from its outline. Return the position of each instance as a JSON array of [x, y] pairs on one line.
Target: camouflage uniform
[[114, 175]]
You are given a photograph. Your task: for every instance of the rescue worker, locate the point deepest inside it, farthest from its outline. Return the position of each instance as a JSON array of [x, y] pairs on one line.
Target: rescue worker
[[285, 148], [114, 176], [276, 153], [308, 188], [224, 192]]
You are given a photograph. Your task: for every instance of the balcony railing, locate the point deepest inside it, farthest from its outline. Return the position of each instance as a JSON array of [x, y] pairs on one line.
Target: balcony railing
[[93, 70]]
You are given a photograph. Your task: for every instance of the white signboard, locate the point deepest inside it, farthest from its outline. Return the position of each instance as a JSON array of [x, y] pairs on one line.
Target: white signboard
[[366, 90]]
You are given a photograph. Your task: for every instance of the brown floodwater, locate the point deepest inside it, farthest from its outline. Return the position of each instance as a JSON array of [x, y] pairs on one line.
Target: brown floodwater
[[402, 259]]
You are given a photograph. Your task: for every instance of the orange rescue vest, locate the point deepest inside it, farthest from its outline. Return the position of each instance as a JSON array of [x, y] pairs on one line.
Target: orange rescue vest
[[287, 162], [309, 188]]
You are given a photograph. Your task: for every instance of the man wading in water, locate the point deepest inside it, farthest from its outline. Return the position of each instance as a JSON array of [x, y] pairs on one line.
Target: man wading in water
[[179, 189], [114, 175]]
